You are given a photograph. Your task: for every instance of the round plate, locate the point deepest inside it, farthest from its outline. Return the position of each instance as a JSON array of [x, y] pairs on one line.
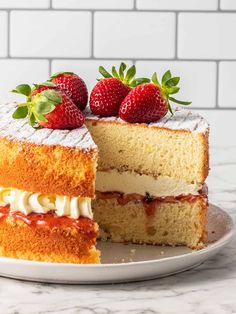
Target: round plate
[[127, 262]]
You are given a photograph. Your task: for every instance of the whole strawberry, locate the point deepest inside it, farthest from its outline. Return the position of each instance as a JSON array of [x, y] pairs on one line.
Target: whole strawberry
[[108, 94], [48, 107], [149, 102], [73, 86]]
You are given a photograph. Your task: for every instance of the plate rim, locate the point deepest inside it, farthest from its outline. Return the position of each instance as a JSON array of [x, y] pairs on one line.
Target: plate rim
[[213, 246]]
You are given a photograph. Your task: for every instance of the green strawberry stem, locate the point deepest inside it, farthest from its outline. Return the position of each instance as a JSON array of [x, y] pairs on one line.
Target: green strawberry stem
[[36, 108], [127, 78], [168, 86]]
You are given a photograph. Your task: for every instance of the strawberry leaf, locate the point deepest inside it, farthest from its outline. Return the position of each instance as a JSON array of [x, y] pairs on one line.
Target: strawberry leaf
[[166, 77], [114, 72], [155, 79], [130, 73], [23, 89], [20, 112], [138, 81], [31, 119], [180, 101], [39, 116], [44, 107], [104, 72], [47, 83], [169, 107], [51, 95], [172, 81], [121, 70], [173, 90]]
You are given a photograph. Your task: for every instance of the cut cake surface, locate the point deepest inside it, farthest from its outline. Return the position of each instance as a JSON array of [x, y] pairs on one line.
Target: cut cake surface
[[170, 153], [176, 146]]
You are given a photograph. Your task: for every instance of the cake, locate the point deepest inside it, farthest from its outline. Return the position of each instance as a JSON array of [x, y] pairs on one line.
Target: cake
[[46, 185], [150, 179], [124, 169]]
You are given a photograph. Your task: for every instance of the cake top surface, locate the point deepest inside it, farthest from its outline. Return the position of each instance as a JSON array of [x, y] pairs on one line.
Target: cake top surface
[[182, 119], [20, 130]]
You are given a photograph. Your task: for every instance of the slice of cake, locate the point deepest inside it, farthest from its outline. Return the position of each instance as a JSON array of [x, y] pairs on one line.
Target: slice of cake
[[150, 179], [46, 185]]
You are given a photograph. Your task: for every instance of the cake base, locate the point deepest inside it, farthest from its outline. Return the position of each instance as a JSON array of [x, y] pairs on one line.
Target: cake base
[[48, 238], [179, 222]]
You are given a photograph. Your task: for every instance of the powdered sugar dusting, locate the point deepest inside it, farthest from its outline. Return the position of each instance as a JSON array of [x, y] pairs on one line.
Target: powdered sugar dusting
[[182, 119], [22, 131]]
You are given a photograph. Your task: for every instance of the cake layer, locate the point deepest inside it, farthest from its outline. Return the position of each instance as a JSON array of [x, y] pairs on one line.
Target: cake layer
[[59, 162], [176, 146], [130, 182], [168, 221], [48, 238]]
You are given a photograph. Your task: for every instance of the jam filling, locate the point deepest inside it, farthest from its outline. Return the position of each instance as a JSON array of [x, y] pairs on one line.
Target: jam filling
[[148, 201], [50, 220]]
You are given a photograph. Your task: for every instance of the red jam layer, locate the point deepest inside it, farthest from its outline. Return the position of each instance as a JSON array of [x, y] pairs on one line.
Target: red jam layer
[[50, 220], [150, 203]]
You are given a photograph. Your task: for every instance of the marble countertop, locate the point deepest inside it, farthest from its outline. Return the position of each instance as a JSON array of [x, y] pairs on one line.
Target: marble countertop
[[209, 288]]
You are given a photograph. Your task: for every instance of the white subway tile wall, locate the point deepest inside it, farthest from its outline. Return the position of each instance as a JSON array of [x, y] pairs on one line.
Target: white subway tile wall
[[35, 4], [177, 4], [134, 35], [228, 4], [93, 4], [3, 34], [194, 39], [227, 95], [16, 71], [206, 36], [50, 34]]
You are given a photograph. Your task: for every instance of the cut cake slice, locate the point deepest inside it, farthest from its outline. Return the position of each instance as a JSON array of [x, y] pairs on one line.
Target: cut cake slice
[[46, 185], [150, 179]]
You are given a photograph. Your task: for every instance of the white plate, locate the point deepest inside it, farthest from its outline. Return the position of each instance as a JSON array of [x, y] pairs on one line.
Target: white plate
[[124, 263]]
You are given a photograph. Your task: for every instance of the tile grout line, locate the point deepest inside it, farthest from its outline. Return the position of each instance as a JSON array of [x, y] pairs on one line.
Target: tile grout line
[[119, 10], [8, 34], [50, 66], [121, 58], [92, 36], [176, 34], [217, 85]]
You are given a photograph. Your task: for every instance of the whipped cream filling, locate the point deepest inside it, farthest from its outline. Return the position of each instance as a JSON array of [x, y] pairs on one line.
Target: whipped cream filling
[[29, 202], [128, 182]]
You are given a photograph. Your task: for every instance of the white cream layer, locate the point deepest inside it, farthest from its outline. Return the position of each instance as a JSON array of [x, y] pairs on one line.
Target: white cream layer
[[130, 182], [28, 202]]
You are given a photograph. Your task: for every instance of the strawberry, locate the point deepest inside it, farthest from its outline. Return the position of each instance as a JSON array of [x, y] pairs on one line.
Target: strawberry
[[66, 115], [108, 94], [49, 108], [149, 102], [73, 86]]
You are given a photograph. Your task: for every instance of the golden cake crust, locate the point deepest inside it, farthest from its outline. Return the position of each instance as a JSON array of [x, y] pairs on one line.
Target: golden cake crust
[[48, 169]]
